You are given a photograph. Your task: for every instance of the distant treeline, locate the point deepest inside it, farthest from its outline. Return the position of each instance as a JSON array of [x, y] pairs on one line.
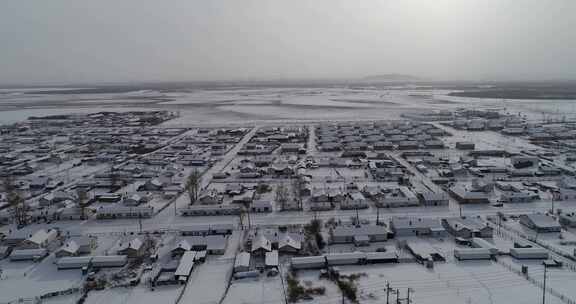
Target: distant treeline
[[526, 93]]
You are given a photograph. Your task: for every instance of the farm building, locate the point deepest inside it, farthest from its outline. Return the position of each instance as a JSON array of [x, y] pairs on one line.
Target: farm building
[[353, 234], [94, 261], [347, 258], [424, 252], [271, 259], [75, 246], [185, 266], [540, 223], [212, 244], [288, 243], [529, 253], [203, 230], [40, 239], [466, 196], [518, 197], [181, 247], [261, 244], [15, 238], [467, 227], [472, 254], [465, 145], [405, 226], [381, 257], [28, 254], [354, 200], [261, 207], [135, 199], [430, 198], [482, 243], [242, 262], [198, 210], [119, 212], [309, 262], [133, 248]]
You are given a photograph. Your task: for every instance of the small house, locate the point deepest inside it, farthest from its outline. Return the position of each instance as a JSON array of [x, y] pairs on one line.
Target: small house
[[132, 249], [540, 223], [40, 239], [75, 246], [467, 227], [242, 262]]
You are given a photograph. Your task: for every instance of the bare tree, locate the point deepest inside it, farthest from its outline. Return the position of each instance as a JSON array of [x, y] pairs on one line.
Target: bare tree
[[14, 199], [193, 185], [297, 190], [114, 178], [82, 200], [282, 195]]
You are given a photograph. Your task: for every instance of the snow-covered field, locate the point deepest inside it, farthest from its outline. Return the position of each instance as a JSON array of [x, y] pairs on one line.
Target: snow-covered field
[[244, 104]]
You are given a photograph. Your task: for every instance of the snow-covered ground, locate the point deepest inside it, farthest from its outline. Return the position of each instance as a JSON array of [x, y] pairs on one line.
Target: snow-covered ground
[[27, 279]]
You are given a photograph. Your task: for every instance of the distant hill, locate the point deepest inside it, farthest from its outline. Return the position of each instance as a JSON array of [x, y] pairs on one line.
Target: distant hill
[[391, 77]]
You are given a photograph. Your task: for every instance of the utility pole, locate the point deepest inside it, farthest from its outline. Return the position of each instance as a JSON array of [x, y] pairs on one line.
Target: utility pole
[[387, 292], [140, 221], [544, 287], [397, 296], [377, 216], [408, 296], [247, 210], [460, 208]]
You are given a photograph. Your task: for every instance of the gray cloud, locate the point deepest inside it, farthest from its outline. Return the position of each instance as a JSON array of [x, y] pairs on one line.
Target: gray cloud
[[125, 40]]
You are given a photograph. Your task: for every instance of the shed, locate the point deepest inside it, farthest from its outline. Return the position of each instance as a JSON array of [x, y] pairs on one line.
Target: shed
[[94, 261], [540, 222], [529, 253], [109, 260], [133, 248], [381, 257], [348, 258], [343, 234], [482, 243], [28, 254], [271, 260], [242, 262], [40, 239], [200, 256], [472, 254], [309, 262], [75, 246], [185, 266]]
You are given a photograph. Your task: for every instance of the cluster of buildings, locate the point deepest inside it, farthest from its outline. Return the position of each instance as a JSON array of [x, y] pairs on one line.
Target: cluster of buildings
[[283, 140], [376, 136], [104, 165]]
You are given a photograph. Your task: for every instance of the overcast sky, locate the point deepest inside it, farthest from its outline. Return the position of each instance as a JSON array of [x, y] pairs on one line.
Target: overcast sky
[[132, 40]]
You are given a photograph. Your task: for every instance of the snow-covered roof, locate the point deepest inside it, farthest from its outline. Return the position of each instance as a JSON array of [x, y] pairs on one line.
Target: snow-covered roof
[[41, 236], [271, 258], [288, 241], [261, 242]]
